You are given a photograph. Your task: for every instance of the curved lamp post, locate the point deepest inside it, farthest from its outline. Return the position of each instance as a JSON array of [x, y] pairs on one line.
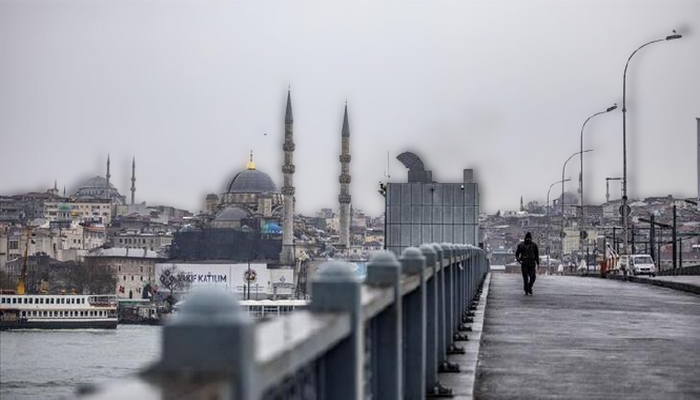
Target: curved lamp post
[[625, 216], [563, 169], [547, 209], [614, 107]]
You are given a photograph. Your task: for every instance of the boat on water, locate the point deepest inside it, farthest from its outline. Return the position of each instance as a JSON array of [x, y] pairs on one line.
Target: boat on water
[[69, 311]]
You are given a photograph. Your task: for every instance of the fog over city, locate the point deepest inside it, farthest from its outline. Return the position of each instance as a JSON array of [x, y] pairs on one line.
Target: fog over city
[[189, 88]]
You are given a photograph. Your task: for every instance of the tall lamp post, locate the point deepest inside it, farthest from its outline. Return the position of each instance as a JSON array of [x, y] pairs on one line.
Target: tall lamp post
[[248, 275], [614, 107], [563, 171], [547, 210], [624, 207]]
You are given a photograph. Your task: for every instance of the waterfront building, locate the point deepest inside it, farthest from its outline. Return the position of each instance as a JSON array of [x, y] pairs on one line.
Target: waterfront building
[[134, 268]]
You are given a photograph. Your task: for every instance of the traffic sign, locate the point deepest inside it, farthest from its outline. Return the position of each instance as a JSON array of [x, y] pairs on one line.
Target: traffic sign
[[629, 210]]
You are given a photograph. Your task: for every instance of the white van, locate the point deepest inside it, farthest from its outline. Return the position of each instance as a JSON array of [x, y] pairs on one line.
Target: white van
[[642, 264]]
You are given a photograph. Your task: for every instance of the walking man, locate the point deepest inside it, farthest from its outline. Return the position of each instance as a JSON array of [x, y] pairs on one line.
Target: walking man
[[528, 256]]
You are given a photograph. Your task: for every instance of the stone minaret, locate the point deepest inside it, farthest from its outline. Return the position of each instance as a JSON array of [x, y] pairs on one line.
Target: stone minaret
[[133, 179], [108, 176], [344, 197], [287, 256]]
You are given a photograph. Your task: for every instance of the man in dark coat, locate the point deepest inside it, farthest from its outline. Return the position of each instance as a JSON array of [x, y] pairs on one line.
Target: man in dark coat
[[528, 256]]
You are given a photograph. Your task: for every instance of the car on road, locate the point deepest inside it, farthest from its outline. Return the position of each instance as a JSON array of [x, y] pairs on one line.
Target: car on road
[[641, 264]]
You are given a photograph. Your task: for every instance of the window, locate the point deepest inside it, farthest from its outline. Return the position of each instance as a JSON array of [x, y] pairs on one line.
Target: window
[[25, 300], [14, 300], [2, 300], [24, 313], [31, 300], [132, 277], [124, 277]]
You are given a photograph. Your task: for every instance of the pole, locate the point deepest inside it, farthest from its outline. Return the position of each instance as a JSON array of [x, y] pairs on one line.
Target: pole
[[563, 171], [625, 217], [581, 239], [658, 246], [547, 212], [673, 239], [652, 230], [615, 240], [680, 253]]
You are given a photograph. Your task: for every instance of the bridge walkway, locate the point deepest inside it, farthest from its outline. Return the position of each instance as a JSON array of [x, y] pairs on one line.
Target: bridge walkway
[[588, 338]]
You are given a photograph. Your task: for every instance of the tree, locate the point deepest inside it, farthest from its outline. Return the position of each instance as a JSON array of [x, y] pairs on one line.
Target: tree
[[174, 281], [94, 279], [7, 282], [534, 207]]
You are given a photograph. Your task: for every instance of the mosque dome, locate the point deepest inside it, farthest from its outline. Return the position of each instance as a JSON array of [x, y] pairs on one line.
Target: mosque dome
[[251, 180], [96, 188]]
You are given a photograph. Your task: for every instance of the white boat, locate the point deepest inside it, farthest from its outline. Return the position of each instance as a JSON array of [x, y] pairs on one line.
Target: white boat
[[71, 311]]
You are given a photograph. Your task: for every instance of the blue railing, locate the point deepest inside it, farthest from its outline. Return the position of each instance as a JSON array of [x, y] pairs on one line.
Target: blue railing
[[388, 337]]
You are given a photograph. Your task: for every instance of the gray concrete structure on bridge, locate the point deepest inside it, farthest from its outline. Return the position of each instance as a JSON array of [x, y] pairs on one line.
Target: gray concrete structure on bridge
[[588, 339]]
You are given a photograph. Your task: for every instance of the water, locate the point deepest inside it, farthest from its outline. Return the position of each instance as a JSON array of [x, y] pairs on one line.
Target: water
[[51, 364]]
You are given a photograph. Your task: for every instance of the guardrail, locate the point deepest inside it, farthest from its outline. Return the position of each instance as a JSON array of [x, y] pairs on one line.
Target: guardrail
[[385, 338], [690, 270]]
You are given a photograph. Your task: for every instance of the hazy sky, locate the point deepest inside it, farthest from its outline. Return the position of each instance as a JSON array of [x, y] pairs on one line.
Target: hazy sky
[[190, 88]]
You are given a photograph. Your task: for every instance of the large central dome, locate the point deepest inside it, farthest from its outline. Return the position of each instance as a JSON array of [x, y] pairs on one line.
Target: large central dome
[[251, 180]]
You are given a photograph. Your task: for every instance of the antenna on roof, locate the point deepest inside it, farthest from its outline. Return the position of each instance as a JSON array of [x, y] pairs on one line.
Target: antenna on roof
[[386, 172]]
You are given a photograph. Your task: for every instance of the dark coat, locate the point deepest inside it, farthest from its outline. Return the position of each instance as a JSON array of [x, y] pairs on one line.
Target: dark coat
[[527, 253]]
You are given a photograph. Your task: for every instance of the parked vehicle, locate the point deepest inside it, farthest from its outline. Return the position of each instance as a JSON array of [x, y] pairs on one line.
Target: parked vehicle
[[640, 264]]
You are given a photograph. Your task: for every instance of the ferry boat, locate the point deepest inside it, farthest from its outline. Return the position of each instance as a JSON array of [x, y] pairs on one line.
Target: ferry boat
[[69, 311]]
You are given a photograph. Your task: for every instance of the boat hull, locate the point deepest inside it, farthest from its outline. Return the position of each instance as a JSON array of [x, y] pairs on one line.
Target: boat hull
[[106, 324]]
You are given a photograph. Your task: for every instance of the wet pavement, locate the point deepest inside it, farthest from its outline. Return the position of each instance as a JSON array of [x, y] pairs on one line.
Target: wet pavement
[[588, 338]]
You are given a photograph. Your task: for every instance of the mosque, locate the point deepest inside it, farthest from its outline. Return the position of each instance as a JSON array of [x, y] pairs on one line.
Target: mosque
[[250, 199], [99, 188], [252, 210]]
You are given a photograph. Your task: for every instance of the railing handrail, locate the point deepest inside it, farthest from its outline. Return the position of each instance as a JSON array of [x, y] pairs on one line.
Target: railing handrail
[[354, 332]]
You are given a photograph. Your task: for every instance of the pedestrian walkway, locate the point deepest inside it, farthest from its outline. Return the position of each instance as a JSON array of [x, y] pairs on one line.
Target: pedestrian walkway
[[586, 338]]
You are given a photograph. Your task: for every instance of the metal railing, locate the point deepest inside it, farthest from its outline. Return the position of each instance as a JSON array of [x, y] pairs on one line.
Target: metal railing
[[386, 338], [689, 270]]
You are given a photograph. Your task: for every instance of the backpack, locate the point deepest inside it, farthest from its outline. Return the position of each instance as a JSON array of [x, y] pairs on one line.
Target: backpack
[[528, 252]]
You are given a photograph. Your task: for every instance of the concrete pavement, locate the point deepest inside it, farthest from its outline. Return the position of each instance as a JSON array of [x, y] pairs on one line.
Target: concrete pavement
[[585, 338], [686, 283]]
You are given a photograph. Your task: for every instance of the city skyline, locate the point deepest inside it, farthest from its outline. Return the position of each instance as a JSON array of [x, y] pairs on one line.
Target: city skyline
[[189, 89]]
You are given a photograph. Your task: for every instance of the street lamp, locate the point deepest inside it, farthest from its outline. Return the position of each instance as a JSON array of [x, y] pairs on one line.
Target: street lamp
[[547, 210], [623, 208], [563, 169], [246, 229], [614, 107]]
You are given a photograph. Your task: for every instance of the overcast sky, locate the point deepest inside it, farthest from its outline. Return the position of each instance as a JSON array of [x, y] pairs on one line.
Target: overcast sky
[[190, 88]]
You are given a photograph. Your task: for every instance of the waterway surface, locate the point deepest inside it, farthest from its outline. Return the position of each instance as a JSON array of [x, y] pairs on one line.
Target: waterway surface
[[51, 364]]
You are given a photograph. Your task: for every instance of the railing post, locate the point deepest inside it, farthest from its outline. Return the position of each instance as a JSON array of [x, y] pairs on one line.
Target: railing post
[[337, 289], [449, 293], [384, 270], [414, 306], [440, 276], [224, 343], [462, 289], [432, 383]]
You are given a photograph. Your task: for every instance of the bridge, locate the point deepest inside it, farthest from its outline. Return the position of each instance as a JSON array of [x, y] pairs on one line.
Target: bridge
[[434, 323]]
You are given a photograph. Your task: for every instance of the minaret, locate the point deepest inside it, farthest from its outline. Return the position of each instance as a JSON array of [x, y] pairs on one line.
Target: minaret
[[108, 176], [287, 256], [133, 179], [522, 207], [344, 197]]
